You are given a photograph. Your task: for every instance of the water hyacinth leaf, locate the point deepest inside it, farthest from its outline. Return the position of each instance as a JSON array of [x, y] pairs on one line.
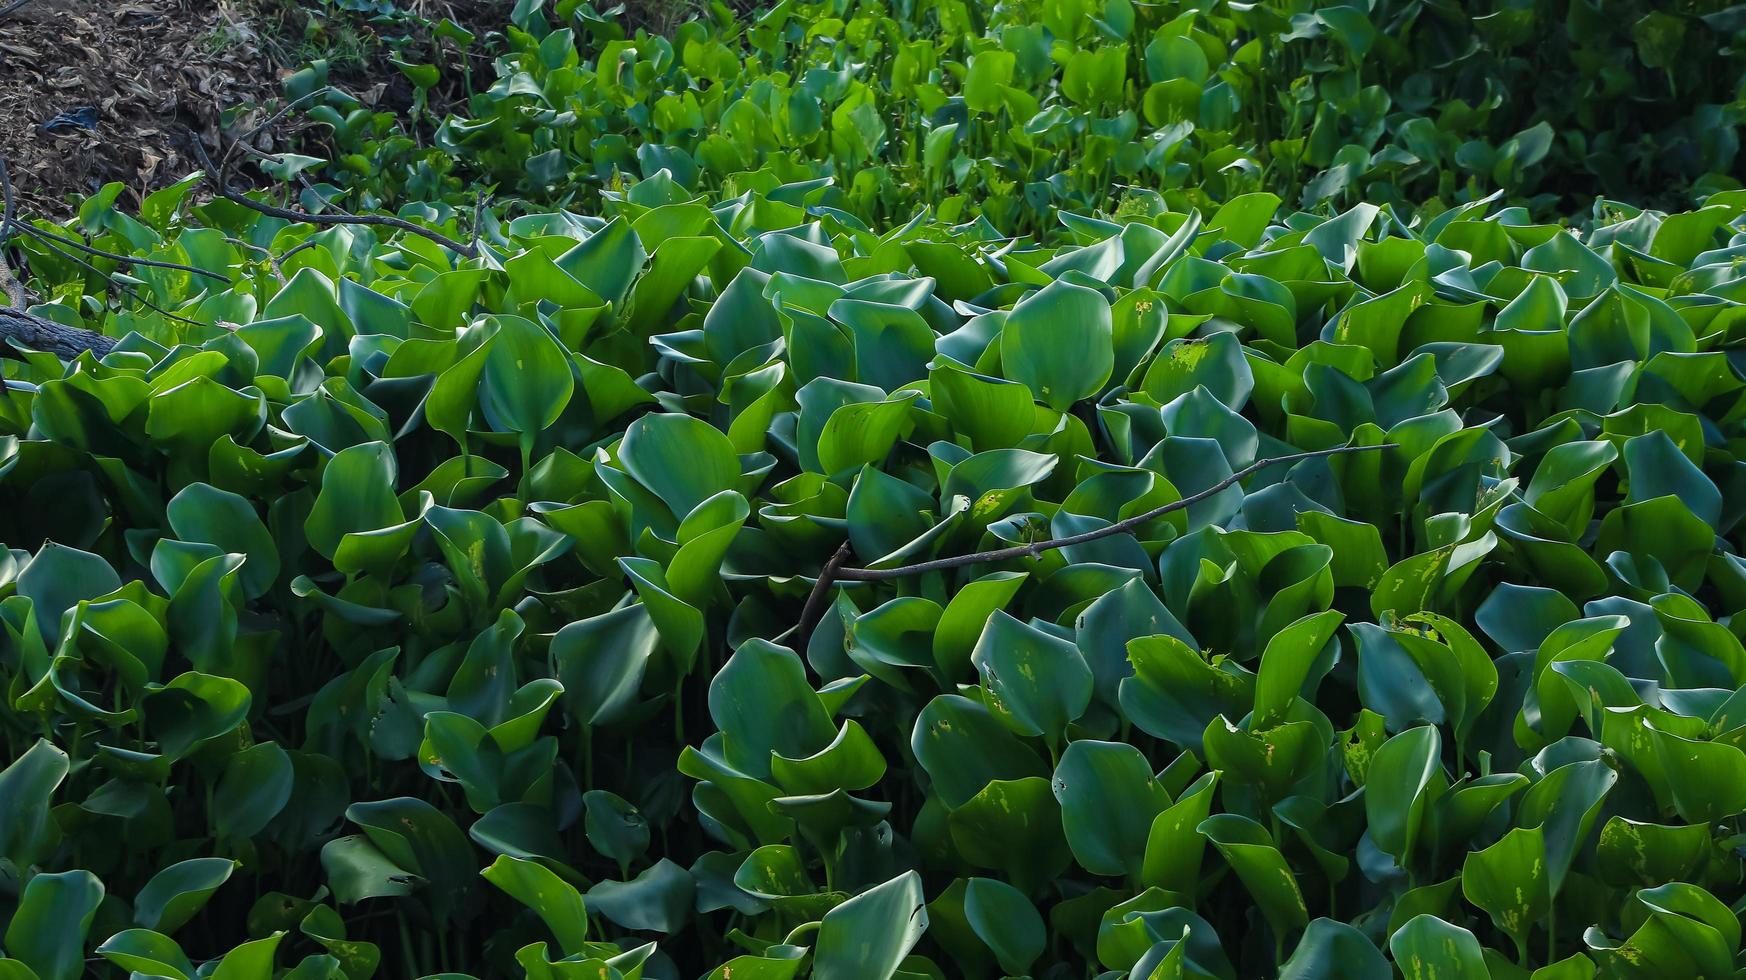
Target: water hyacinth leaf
[[193, 708], [615, 827], [1175, 692], [417, 837], [357, 495], [57, 578], [1427, 945], [870, 934], [1058, 342], [553, 899], [657, 900], [1248, 848], [1701, 776], [1630, 852], [1013, 826], [763, 705], [929, 280], [1269, 761], [250, 959], [1036, 683], [177, 893], [1108, 799], [526, 380], [30, 782], [1105, 628], [601, 661], [1509, 881], [682, 460], [1006, 921], [207, 514], [47, 930], [1404, 777], [1329, 947], [146, 952], [863, 433], [1174, 844], [965, 619], [963, 747], [1294, 660], [992, 413], [1565, 804], [850, 762]]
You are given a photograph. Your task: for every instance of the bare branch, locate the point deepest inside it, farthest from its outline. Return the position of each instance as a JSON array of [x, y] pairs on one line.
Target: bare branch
[[10, 7], [284, 110], [36, 333], [40, 234], [114, 281], [302, 180], [217, 177], [833, 571], [813, 611]]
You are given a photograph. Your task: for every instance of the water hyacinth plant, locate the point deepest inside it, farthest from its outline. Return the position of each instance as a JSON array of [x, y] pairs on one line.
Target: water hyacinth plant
[[857, 491]]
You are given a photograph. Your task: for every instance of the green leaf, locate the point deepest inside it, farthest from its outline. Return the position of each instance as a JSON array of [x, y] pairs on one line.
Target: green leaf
[[357, 495], [683, 460], [526, 380], [1035, 682], [553, 899], [1405, 776], [615, 827], [1108, 799], [1508, 880], [178, 893], [1250, 851], [47, 931], [1330, 948], [256, 784], [657, 900], [1058, 342], [29, 782], [1006, 921], [1429, 947], [867, 937]]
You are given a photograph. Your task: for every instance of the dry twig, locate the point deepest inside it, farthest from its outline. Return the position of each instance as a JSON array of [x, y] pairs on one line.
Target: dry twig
[[219, 179], [41, 235], [833, 571]]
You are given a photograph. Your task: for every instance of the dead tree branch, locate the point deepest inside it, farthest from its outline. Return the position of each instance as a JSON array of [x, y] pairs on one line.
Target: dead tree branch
[[833, 571], [220, 181]]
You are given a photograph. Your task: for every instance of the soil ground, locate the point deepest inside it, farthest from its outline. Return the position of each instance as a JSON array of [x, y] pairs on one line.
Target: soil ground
[[132, 77], [141, 72]]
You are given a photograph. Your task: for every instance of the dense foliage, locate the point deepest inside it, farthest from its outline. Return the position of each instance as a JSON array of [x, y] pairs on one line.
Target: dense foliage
[[374, 609], [1014, 110]]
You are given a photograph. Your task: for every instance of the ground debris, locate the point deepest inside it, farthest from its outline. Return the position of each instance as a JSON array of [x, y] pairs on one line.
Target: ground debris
[[149, 69]]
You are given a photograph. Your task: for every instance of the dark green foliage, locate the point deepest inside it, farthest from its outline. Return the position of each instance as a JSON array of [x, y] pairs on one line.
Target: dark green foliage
[[396, 613]]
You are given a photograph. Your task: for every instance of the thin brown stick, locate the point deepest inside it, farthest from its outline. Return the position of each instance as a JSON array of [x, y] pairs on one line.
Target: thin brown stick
[[302, 180], [813, 611], [115, 281], [283, 111], [833, 571], [39, 233], [220, 182], [1120, 527]]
